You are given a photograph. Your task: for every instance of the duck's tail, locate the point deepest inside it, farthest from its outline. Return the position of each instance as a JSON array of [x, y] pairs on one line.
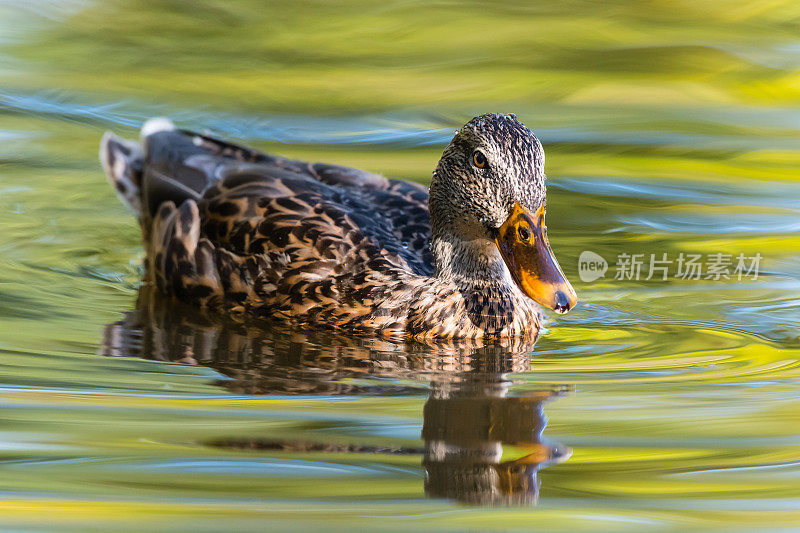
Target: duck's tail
[[123, 162]]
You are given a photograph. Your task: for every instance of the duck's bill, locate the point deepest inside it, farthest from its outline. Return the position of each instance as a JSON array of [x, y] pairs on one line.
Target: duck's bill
[[522, 241]]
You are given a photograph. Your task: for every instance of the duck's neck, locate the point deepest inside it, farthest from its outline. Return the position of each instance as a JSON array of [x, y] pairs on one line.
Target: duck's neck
[[469, 262], [462, 251]]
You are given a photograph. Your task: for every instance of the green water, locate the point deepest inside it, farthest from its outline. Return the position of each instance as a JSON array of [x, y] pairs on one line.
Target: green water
[[669, 127]]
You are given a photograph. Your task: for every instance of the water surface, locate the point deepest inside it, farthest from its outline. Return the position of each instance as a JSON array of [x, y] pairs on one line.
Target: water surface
[[669, 128]]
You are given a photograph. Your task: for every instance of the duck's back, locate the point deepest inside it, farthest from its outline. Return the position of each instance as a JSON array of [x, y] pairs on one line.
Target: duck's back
[[228, 226]]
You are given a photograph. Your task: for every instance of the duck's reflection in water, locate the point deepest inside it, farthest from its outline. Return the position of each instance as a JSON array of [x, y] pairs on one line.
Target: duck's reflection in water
[[483, 444]]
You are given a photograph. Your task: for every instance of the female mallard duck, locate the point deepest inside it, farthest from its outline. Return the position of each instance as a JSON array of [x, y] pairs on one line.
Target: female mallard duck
[[311, 243]]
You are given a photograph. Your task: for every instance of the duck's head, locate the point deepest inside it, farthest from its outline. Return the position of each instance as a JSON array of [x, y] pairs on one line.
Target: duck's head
[[487, 209]]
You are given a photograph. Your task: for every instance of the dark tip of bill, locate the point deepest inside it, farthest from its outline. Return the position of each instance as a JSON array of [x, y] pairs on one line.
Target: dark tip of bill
[[562, 302]]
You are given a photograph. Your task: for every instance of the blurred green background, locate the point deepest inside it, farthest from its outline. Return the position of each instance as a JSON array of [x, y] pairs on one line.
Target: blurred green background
[[669, 127]]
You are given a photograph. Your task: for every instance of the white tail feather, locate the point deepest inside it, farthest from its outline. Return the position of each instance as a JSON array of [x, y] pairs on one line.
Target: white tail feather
[[155, 125], [116, 156]]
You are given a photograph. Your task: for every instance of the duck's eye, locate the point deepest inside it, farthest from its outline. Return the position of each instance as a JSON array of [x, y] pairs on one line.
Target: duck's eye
[[524, 233], [478, 159]]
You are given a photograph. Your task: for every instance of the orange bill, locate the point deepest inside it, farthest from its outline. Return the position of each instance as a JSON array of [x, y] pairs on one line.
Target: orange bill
[[522, 241]]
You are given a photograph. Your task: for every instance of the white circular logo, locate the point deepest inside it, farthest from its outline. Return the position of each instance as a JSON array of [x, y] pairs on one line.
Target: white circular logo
[[591, 266]]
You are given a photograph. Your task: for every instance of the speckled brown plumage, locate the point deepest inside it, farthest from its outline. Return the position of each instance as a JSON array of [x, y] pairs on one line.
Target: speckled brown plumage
[[234, 229]]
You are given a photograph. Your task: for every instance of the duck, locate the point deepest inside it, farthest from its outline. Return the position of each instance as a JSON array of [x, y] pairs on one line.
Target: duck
[[235, 230]]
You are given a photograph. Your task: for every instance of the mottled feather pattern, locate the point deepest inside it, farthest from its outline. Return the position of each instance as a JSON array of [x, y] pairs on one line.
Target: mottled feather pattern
[[307, 243]]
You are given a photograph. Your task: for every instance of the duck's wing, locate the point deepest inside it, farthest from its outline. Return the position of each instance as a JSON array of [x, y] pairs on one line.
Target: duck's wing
[[259, 209], [225, 223], [181, 165]]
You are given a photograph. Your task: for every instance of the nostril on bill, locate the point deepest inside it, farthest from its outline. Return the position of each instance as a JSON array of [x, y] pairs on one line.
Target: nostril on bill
[[562, 302]]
